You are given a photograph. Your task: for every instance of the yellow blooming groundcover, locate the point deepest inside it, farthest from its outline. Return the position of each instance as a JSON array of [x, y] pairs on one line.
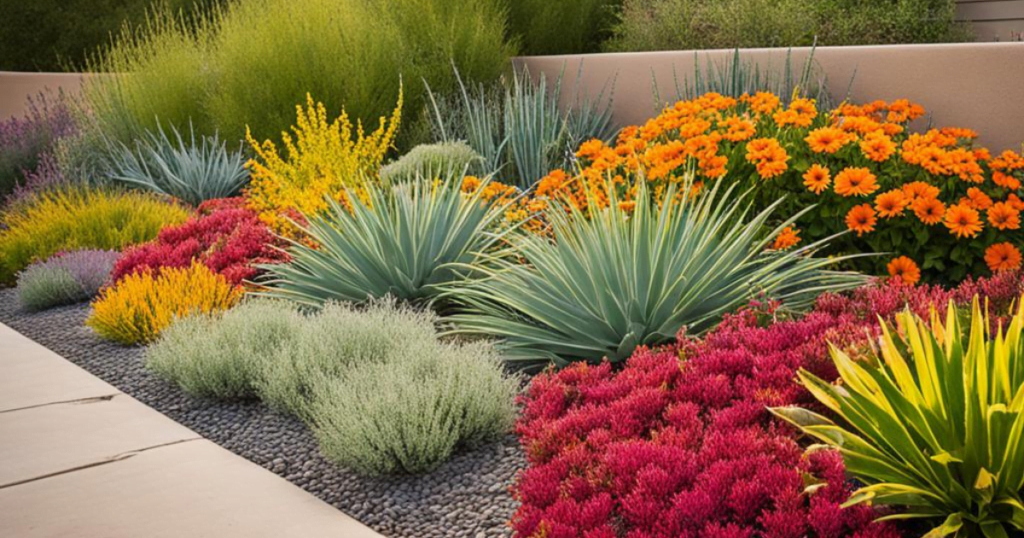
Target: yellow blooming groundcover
[[933, 203]]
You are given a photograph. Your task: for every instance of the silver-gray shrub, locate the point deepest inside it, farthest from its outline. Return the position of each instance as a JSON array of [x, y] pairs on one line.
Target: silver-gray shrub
[[220, 356], [433, 160], [66, 278], [334, 340], [192, 169], [408, 414]]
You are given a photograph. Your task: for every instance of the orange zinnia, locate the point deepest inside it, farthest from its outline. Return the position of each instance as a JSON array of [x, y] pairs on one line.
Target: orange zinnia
[[1003, 216], [817, 179], [878, 147], [856, 182], [963, 221], [920, 189], [1002, 257], [978, 199], [891, 204], [905, 269], [861, 219], [787, 238], [826, 140], [929, 210]]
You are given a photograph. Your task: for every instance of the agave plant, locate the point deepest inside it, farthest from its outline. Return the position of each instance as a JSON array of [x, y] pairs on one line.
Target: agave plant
[[618, 278], [934, 424], [408, 241], [193, 170]]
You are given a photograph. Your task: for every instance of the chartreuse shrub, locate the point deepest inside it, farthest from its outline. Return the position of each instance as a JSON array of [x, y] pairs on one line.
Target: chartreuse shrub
[[325, 160], [66, 278], [71, 219], [934, 423], [634, 274], [408, 241], [380, 390], [139, 306], [193, 169], [431, 161]]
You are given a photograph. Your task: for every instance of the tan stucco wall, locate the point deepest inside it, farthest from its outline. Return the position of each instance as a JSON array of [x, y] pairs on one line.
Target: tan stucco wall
[[16, 88], [975, 85]]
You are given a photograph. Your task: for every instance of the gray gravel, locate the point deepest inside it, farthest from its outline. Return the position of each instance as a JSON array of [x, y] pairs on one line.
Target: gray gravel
[[467, 497]]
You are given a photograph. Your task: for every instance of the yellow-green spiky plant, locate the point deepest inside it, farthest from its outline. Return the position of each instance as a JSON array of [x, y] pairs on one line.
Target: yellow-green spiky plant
[[933, 424]]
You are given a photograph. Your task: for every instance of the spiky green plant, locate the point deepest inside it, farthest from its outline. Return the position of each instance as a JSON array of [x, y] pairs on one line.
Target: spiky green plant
[[613, 279], [934, 424], [407, 241]]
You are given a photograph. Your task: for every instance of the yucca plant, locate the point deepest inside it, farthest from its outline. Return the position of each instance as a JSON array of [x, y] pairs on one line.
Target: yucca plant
[[934, 424], [618, 278], [193, 169], [407, 241]]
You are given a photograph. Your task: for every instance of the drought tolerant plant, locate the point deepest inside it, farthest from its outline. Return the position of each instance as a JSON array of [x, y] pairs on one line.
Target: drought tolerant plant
[[933, 423], [78, 218], [65, 278], [561, 27], [409, 241], [26, 142], [138, 307], [191, 170], [325, 160], [634, 274], [224, 235], [431, 161], [409, 413], [221, 356], [942, 206], [523, 133]]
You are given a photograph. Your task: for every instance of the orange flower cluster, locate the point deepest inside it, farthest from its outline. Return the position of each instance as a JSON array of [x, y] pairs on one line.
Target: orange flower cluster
[[933, 197]]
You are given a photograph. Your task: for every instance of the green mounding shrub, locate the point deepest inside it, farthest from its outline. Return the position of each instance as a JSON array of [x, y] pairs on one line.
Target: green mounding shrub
[[433, 160], [561, 26], [66, 278], [408, 241], [725, 24], [250, 62], [336, 339], [614, 280], [191, 170], [933, 424], [222, 356], [73, 219], [408, 414], [520, 131]]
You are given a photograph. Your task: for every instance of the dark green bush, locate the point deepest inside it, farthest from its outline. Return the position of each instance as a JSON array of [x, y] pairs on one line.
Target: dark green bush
[[561, 26]]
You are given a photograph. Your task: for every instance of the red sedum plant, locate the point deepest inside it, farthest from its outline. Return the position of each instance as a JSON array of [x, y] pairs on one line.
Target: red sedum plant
[[227, 237], [670, 448]]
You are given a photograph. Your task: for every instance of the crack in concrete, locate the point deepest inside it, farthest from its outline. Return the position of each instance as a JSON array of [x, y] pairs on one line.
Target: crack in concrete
[[89, 400], [113, 459]]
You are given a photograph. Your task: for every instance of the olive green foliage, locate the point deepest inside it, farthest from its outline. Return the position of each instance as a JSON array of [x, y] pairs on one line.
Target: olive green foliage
[[433, 160], [561, 26], [714, 24], [250, 62], [934, 423]]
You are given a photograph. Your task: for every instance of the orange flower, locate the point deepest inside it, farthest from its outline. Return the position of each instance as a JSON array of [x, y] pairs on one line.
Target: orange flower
[[1005, 180], [963, 221], [904, 269], [920, 189], [769, 157], [1015, 202], [737, 129], [878, 147], [929, 210], [817, 179], [551, 183], [861, 219], [801, 113], [1003, 216], [827, 140], [856, 182], [787, 238], [590, 148], [472, 183], [763, 102], [978, 199], [891, 204], [1002, 257]]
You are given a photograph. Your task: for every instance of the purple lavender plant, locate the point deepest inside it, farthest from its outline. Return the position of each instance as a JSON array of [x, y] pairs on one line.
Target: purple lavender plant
[[65, 278], [26, 142]]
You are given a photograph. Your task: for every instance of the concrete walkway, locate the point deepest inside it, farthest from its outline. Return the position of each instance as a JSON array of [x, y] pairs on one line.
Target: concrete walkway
[[78, 458]]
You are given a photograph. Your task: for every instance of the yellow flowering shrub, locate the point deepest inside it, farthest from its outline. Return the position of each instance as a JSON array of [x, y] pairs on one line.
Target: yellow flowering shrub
[[139, 306], [324, 158], [937, 205]]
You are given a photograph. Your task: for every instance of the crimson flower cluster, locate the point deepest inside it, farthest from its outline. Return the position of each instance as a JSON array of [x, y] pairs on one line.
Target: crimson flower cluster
[[679, 443], [225, 236]]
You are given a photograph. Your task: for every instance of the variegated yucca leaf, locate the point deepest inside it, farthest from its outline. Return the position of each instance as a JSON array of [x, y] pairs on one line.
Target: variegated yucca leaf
[[934, 424]]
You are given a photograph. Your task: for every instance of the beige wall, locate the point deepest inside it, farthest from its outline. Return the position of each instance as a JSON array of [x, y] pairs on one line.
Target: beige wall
[[993, 20], [16, 88], [975, 85]]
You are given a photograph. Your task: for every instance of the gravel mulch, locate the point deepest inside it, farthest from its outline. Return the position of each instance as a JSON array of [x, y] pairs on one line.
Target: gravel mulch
[[467, 497]]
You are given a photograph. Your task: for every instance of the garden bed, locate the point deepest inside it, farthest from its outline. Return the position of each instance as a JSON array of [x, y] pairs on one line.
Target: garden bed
[[467, 496]]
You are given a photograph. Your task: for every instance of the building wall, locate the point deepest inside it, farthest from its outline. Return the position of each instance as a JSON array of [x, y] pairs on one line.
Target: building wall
[[994, 20]]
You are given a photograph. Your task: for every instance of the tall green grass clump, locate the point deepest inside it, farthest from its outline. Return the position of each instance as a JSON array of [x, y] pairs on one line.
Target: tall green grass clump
[[248, 63], [561, 26]]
